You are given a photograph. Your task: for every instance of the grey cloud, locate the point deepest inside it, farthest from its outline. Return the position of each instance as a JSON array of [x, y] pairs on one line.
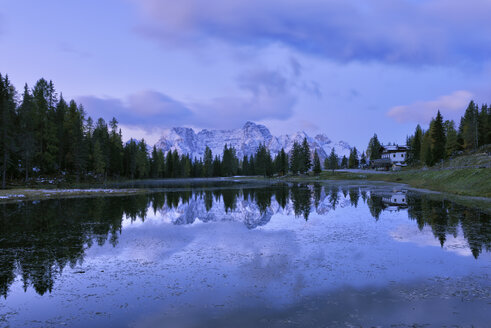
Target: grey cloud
[[296, 66], [431, 32], [148, 109], [269, 95], [259, 81], [266, 94]]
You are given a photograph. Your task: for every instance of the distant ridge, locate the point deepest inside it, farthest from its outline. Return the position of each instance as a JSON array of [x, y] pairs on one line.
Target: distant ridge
[[245, 141]]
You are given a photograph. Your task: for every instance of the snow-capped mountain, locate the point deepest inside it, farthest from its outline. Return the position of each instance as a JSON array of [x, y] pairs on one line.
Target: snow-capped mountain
[[245, 141]]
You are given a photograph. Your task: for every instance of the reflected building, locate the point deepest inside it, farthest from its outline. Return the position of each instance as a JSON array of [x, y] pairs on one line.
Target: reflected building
[[396, 201]]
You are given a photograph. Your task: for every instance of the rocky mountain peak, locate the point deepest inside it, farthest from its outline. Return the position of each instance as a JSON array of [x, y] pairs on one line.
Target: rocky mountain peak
[[245, 141]]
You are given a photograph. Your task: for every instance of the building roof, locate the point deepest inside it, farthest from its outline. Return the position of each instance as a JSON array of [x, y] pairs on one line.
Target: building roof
[[393, 148]]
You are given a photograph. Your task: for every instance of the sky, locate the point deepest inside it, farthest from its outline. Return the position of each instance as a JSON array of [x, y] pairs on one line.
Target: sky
[[346, 68]]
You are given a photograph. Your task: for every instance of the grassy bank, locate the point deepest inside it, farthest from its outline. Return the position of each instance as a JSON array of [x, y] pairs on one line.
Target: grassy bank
[[466, 182], [38, 194]]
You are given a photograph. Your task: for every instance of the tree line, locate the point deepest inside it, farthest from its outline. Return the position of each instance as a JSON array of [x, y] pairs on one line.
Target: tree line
[[444, 139], [42, 134]]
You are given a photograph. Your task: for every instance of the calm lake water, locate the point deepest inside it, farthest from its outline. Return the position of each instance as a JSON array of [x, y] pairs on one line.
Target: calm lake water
[[241, 254]]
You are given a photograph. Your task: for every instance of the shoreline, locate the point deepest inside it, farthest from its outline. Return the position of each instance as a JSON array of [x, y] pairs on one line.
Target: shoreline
[[460, 182], [29, 194], [470, 187]]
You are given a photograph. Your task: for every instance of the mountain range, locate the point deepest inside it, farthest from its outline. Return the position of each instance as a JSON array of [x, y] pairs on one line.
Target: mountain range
[[245, 140]]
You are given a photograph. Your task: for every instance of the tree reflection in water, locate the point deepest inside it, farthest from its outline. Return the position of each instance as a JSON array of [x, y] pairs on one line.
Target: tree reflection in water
[[39, 239]]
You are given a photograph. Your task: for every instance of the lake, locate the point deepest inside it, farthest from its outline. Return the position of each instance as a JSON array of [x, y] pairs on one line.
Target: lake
[[241, 254]]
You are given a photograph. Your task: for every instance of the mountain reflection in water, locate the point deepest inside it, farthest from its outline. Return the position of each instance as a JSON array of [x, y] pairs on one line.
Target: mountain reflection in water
[[39, 239]]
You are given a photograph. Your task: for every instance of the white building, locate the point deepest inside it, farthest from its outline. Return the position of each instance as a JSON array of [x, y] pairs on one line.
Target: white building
[[395, 153]]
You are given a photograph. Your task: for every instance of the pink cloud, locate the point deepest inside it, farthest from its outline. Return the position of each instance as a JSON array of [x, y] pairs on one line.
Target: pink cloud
[[451, 106]]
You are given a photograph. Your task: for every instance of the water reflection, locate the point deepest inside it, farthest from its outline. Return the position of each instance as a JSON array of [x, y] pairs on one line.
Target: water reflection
[[38, 240], [396, 201]]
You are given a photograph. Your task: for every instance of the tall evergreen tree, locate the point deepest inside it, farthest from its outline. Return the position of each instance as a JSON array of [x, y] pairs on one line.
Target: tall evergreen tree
[[451, 142], [353, 159], [154, 163], [469, 127], [415, 145], [245, 165], [307, 162], [363, 159], [296, 162], [263, 161], [333, 161], [7, 117], [76, 153], [142, 160], [208, 162], [217, 167], [281, 162], [27, 141], [60, 113], [317, 164], [116, 150], [426, 153], [483, 125], [344, 162], [98, 159], [229, 161], [373, 149], [438, 139]]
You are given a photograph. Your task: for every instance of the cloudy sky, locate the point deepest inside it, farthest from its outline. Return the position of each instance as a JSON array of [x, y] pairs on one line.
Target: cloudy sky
[[347, 68]]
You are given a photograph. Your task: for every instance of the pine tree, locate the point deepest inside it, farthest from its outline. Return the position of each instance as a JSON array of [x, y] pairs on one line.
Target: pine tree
[[27, 142], [185, 166], [229, 161], [451, 144], [353, 159], [296, 158], [281, 162], [317, 164], [101, 134], [217, 167], [169, 165], [426, 153], [488, 126], [72, 138], [142, 160], [7, 117], [363, 160], [245, 166], [154, 163], [333, 160], [208, 162], [469, 127], [438, 139], [373, 149], [176, 164], [116, 150], [415, 145], [130, 151], [263, 161], [42, 128], [98, 159], [307, 163], [60, 113], [483, 125], [344, 162]]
